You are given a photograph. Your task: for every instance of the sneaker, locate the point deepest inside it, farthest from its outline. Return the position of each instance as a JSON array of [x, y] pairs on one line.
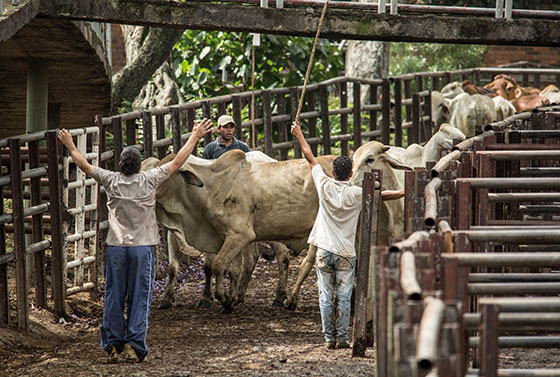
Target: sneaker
[[113, 355], [330, 345], [129, 354], [343, 344]]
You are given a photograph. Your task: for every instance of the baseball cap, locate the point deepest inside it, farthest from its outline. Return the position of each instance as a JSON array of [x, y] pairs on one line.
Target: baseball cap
[[225, 119]]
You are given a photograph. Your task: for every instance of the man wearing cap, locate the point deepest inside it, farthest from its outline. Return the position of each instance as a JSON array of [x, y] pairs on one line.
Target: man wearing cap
[[226, 141]]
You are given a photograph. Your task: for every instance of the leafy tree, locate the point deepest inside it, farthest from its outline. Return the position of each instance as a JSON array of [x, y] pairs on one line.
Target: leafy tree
[[430, 57], [201, 56]]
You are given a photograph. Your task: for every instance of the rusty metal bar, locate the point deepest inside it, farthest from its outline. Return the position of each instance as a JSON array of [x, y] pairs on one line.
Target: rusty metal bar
[[528, 319], [524, 197], [513, 183], [506, 259], [444, 162], [489, 340], [430, 206], [513, 277], [525, 304], [513, 288], [520, 373], [411, 241], [409, 282], [540, 172], [532, 236], [521, 341], [522, 155], [428, 333]]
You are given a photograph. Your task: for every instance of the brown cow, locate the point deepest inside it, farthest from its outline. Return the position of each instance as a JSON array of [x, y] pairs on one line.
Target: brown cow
[[529, 102], [504, 86], [470, 88]]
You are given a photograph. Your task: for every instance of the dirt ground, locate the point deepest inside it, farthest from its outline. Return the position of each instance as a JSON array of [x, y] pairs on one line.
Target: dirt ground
[[256, 340]]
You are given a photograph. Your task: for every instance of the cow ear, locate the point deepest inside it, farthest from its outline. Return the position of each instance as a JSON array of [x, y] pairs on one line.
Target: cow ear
[[190, 178], [385, 149], [396, 163]]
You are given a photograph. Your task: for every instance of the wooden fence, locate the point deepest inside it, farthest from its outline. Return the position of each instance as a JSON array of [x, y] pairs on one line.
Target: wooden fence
[[398, 112]]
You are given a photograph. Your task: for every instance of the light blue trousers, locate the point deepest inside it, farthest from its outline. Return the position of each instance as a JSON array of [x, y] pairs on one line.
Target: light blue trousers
[[129, 274], [335, 272]]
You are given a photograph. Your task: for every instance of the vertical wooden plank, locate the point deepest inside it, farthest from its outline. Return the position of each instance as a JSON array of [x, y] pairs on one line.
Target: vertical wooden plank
[[489, 340], [414, 131], [19, 233], [427, 110], [282, 130], [222, 108], [102, 211], [267, 120], [410, 194], [325, 119], [4, 317], [236, 115], [381, 352], [37, 225], [160, 134], [130, 132], [373, 99], [79, 245], [191, 118], [435, 83], [357, 115], [419, 83], [386, 112], [176, 129], [293, 112], [311, 122], [116, 124], [207, 113], [397, 89], [148, 134], [525, 80], [446, 78], [537, 80], [476, 77], [362, 268], [344, 146]]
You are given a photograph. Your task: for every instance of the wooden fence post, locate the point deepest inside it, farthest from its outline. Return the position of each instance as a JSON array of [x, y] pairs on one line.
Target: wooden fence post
[[282, 130], [325, 127], [293, 112], [398, 112], [160, 134], [206, 113], [130, 132], [344, 147], [311, 122], [37, 225], [362, 268], [117, 141], [19, 233], [191, 117], [4, 302], [357, 114], [414, 131], [267, 120], [236, 115], [176, 129], [373, 100], [148, 134], [386, 111], [489, 340]]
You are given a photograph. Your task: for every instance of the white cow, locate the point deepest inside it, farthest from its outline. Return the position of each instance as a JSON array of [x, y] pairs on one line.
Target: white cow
[[440, 110], [553, 97], [221, 207], [468, 112], [504, 108], [452, 90]]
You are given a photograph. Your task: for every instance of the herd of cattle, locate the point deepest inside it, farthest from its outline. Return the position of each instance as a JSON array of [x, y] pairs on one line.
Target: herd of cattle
[[241, 206], [464, 105]]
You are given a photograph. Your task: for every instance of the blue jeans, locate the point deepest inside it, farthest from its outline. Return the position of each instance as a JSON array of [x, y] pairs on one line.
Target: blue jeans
[[129, 271], [334, 271]]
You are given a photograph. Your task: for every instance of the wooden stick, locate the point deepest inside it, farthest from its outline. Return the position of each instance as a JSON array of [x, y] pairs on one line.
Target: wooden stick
[[253, 137]]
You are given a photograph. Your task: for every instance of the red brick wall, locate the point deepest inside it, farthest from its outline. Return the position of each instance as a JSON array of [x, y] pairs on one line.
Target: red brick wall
[[118, 57], [498, 55]]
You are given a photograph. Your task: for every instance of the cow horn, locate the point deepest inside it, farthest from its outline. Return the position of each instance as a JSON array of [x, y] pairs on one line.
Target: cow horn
[[385, 149]]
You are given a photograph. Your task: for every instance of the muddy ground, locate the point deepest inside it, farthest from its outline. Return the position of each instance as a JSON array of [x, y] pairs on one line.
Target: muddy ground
[[256, 340]]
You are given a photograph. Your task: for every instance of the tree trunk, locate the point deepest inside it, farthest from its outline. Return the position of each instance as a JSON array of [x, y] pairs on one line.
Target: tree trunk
[[367, 60], [146, 50]]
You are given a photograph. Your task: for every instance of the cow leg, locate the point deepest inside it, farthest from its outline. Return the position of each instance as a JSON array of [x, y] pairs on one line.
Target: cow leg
[[304, 269], [283, 257], [250, 256], [207, 298], [173, 250], [230, 249]]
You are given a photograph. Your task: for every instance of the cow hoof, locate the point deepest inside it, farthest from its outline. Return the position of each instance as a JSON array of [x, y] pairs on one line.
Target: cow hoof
[[292, 305], [165, 304], [278, 303], [225, 310], [203, 304]]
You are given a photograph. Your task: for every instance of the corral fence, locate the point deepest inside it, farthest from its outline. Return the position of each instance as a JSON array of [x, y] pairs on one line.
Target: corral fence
[[479, 270], [398, 112]]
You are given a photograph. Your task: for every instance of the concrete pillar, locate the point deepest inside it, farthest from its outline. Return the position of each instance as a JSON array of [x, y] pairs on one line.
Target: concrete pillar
[[36, 119]]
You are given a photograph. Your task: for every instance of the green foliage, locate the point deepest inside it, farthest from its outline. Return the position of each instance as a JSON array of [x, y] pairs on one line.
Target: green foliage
[[429, 57], [201, 56]]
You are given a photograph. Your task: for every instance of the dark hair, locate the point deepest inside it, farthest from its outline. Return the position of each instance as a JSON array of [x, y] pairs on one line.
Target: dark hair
[[130, 161], [342, 167]]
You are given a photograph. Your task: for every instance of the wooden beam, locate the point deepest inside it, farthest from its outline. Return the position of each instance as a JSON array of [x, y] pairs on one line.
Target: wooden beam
[[340, 23]]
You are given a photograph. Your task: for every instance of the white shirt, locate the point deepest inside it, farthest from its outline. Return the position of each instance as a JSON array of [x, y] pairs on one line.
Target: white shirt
[[131, 201], [339, 208]]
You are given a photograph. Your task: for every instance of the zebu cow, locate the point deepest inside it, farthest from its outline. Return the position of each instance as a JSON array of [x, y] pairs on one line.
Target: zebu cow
[[242, 269], [452, 90], [529, 102], [222, 207], [440, 110], [467, 112], [504, 108]]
